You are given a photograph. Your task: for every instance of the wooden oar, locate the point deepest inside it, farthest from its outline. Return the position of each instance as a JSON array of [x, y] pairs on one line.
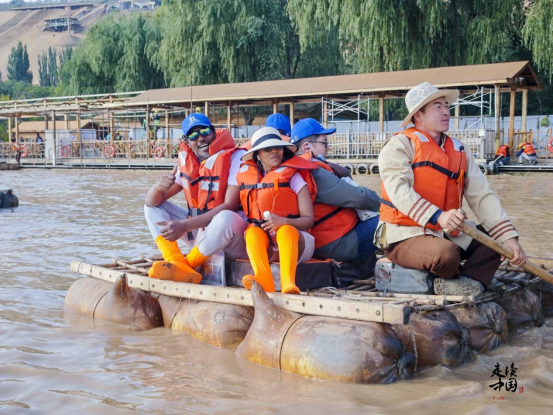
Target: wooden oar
[[506, 252]]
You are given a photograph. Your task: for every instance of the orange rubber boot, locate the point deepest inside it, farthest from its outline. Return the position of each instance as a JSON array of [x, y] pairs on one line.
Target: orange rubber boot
[[257, 243], [195, 258], [174, 268], [287, 239]]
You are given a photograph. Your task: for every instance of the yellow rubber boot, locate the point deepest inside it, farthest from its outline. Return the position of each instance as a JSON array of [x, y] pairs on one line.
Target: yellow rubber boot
[[287, 239], [257, 243], [174, 268], [195, 258]]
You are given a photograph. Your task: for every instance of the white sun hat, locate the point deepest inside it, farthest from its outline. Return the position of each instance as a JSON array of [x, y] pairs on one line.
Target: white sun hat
[[424, 93], [266, 137]]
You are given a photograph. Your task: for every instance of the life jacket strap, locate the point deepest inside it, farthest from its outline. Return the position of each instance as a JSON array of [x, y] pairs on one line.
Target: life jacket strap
[[328, 216], [258, 186], [388, 203], [437, 167]]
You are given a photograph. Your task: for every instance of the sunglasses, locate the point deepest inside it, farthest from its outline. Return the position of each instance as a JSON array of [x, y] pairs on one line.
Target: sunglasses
[[196, 134], [270, 149]]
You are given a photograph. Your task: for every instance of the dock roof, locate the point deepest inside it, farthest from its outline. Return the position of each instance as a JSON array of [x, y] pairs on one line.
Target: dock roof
[[386, 84]]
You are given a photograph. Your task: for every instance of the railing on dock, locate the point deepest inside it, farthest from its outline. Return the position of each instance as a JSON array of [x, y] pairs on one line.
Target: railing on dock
[[349, 146], [368, 145]]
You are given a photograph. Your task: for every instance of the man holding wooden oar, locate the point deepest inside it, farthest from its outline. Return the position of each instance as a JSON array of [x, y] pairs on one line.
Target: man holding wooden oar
[[425, 175]]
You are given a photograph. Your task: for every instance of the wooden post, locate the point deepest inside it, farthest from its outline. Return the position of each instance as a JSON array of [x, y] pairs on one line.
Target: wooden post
[[206, 109], [111, 126], [55, 138], [78, 119], [457, 114], [512, 117], [16, 128], [497, 117], [524, 108], [229, 115], [10, 128], [275, 106], [325, 113], [168, 134], [66, 119], [45, 120], [381, 114], [291, 114]]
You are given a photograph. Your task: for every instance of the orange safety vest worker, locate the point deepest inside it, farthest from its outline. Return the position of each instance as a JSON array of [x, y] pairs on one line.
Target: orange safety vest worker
[[502, 151], [272, 192], [205, 183], [331, 222], [439, 178], [529, 149]]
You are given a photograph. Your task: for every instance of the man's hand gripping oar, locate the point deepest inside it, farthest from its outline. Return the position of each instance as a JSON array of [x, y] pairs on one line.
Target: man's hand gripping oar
[[506, 252]]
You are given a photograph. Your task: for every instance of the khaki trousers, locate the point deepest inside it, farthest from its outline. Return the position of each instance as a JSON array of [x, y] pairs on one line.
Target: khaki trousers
[[442, 258]]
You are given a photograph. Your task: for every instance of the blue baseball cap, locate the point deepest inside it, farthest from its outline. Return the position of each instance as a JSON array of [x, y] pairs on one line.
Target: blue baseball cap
[[194, 120], [280, 122], [308, 127]]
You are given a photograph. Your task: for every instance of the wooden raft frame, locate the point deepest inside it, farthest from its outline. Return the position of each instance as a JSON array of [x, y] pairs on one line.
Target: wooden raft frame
[[375, 311]]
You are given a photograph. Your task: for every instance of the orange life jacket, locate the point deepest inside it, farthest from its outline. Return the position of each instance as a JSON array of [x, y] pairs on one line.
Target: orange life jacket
[[502, 151], [272, 192], [205, 183], [331, 222], [439, 178], [529, 149]]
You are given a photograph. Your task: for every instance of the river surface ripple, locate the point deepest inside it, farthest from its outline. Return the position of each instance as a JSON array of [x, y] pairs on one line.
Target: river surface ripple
[[53, 361]]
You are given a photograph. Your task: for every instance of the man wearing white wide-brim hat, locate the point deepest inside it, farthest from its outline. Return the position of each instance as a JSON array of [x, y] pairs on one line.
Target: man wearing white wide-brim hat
[[425, 175]]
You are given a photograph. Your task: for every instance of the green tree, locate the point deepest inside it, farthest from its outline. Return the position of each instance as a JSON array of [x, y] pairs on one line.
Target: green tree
[[112, 58], [538, 34], [388, 35], [48, 72], [200, 42], [18, 64], [43, 78]]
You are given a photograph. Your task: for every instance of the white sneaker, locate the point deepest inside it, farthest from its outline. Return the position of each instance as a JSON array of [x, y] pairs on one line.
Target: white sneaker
[[458, 286]]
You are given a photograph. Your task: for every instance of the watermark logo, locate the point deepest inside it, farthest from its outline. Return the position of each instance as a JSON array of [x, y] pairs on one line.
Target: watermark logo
[[506, 380]]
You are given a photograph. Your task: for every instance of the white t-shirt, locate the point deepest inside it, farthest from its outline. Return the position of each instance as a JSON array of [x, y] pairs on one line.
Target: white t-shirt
[[297, 183], [235, 161]]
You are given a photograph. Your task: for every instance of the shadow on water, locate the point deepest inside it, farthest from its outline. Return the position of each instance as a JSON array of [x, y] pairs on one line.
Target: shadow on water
[[50, 357]]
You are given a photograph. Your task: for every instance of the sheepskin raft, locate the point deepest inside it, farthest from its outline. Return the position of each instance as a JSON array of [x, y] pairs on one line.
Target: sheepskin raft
[[349, 333]]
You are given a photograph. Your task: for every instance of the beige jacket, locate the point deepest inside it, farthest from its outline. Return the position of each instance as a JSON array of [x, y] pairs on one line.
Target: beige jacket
[[394, 164]]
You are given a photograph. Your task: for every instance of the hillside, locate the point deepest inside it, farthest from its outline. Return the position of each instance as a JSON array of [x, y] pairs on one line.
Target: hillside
[[27, 26]]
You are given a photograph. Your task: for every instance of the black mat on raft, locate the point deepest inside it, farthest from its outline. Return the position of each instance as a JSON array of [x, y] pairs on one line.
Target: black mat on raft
[[311, 275]]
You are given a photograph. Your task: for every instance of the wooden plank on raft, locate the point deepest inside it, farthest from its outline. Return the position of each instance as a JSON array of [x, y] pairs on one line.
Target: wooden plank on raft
[[380, 312]]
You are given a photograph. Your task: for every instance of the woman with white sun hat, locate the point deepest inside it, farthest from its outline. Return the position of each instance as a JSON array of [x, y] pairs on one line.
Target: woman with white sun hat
[[277, 193]]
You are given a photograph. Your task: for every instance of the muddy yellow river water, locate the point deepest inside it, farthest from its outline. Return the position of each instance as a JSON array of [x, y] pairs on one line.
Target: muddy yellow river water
[[52, 361]]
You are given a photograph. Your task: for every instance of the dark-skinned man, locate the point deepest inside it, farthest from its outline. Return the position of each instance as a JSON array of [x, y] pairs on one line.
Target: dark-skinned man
[[207, 167]]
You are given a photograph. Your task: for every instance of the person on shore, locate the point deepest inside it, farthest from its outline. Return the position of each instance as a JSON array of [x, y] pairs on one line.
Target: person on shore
[[277, 193], [425, 175], [16, 148], [503, 155], [338, 232], [208, 163], [40, 143], [526, 151]]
